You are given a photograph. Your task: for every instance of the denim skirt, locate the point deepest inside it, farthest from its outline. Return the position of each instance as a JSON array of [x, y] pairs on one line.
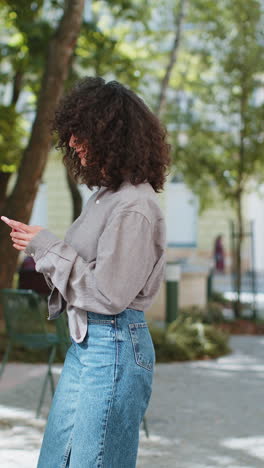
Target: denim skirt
[[102, 395]]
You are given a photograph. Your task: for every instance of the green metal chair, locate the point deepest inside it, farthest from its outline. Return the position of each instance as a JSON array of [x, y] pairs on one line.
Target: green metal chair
[[25, 319], [25, 314]]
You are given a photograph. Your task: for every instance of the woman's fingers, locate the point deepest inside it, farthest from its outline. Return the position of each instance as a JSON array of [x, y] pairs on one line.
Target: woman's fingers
[[18, 236], [20, 243], [21, 233], [20, 239], [21, 227], [19, 247]]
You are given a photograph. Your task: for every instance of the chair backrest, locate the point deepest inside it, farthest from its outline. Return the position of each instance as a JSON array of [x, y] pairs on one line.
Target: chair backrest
[[62, 328], [63, 334], [24, 311]]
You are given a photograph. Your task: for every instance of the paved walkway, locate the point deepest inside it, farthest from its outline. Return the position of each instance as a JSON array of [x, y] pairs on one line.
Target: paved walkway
[[203, 414]]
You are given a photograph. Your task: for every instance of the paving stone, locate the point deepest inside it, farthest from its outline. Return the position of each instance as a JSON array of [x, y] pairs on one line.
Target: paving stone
[[202, 414]]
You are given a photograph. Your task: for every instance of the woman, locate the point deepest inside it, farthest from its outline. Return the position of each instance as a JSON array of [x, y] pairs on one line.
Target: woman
[[219, 254], [106, 272]]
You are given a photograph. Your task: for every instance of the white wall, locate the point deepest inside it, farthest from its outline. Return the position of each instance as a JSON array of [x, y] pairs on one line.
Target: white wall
[[39, 215], [85, 192], [255, 212], [181, 214]]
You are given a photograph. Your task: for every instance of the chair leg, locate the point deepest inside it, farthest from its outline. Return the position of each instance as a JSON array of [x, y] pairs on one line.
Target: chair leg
[[5, 358], [145, 426], [52, 384], [47, 377]]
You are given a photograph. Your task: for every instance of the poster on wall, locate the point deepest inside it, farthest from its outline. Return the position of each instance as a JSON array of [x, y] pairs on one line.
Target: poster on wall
[[181, 215]]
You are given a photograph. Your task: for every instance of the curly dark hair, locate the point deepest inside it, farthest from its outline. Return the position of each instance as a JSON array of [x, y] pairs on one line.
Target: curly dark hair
[[120, 133]]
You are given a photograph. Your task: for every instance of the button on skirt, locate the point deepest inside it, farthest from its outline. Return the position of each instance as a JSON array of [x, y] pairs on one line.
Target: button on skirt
[[102, 395]]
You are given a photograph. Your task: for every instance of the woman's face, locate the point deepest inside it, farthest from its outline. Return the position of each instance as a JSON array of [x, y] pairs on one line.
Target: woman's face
[[80, 150]]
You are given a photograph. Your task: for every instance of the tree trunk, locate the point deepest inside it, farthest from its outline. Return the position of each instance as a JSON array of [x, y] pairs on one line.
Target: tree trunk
[[76, 197], [17, 83], [238, 263], [5, 176], [20, 202], [172, 60], [240, 229], [4, 179]]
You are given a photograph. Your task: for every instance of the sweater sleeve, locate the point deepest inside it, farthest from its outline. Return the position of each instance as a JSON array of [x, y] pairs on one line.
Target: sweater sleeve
[[107, 284]]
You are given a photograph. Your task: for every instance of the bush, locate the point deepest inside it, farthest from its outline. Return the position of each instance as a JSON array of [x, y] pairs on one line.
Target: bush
[[211, 313], [220, 299], [189, 337], [216, 296], [214, 313]]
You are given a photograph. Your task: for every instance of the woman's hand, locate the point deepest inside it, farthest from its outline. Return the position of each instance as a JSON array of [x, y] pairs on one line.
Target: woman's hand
[[21, 233]]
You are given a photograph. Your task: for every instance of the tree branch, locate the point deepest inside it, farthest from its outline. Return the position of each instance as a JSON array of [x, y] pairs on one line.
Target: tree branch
[[172, 60]]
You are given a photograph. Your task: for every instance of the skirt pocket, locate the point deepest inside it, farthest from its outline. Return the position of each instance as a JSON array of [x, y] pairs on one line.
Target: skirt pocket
[[144, 351]]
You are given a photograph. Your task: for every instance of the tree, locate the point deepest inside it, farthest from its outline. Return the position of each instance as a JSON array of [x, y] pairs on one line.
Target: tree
[[172, 57], [100, 51], [19, 203], [22, 50], [26, 31], [219, 141]]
